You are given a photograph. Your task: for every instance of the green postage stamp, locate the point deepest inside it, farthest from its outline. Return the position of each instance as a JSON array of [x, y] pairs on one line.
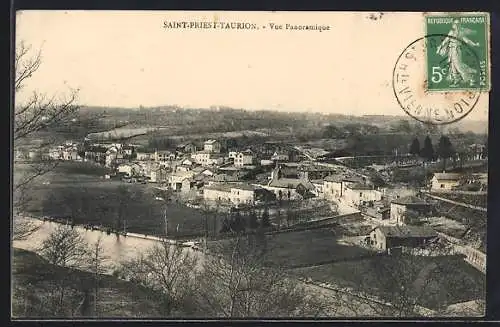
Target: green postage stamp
[[460, 61]]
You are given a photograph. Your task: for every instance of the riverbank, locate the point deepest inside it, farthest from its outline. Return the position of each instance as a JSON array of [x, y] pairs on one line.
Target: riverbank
[[32, 282]]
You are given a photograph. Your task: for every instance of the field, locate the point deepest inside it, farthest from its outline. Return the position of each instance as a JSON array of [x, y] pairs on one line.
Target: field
[[118, 298], [474, 220], [437, 281], [447, 226], [77, 191], [478, 200], [306, 248], [121, 132]]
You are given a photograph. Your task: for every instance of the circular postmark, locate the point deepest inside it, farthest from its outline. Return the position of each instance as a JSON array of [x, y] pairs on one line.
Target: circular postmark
[[410, 80]]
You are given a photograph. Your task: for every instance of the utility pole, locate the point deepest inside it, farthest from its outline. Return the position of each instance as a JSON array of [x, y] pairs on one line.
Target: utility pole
[[166, 221]]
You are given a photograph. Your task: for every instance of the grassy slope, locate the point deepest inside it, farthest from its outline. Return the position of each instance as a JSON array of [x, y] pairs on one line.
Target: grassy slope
[[118, 298], [74, 186], [308, 247], [456, 282]]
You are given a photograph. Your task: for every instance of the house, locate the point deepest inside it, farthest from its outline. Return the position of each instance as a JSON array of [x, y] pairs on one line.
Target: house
[[159, 175], [243, 158], [145, 156], [378, 209], [386, 237], [318, 187], [477, 151], [266, 163], [208, 172], [445, 181], [286, 188], [360, 193], [403, 210], [188, 162], [128, 150], [70, 153], [96, 154], [54, 153], [181, 181], [315, 171], [222, 178], [163, 155], [397, 191], [186, 148], [335, 186], [280, 156], [230, 193], [183, 168], [213, 146], [207, 158], [130, 169]]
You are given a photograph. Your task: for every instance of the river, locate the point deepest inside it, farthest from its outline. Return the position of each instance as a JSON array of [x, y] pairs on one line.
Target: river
[[115, 249]]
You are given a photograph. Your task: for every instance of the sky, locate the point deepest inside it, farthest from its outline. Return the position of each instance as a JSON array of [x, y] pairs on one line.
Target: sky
[[127, 59]]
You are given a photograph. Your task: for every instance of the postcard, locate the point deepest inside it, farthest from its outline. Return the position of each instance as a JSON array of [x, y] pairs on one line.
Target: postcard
[[205, 165]]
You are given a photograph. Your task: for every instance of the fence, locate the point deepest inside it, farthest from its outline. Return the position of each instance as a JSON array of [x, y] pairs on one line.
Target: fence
[[474, 257]]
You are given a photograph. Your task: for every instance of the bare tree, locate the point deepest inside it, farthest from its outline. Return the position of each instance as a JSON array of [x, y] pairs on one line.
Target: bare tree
[[66, 250], [38, 112], [236, 284], [168, 269], [96, 261]]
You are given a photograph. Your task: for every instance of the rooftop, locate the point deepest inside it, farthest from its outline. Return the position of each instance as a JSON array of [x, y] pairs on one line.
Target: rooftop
[[344, 178], [407, 231], [219, 187], [291, 183], [210, 141], [360, 186], [97, 149], [448, 176]]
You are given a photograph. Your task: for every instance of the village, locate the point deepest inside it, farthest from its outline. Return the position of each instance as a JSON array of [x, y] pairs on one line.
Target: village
[[274, 175]]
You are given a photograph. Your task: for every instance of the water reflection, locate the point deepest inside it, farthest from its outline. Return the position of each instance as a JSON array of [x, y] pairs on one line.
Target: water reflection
[[115, 248]]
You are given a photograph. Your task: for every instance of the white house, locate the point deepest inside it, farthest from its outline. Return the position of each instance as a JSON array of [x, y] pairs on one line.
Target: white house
[[445, 181], [230, 193], [70, 153], [206, 158], [181, 181], [280, 156], [187, 162], [130, 169], [243, 158], [358, 193], [212, 146], [145, 156], [158, 175], [163, 156], [335, 186]]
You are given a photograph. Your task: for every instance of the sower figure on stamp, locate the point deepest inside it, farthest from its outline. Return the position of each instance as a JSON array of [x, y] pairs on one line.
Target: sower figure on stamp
[[452, 48]]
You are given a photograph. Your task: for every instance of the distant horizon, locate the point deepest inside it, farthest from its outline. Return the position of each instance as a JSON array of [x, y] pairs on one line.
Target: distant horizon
[[128, 59], [296, 111]]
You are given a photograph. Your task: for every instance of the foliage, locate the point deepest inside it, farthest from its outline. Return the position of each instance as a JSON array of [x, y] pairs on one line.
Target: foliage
[[235, 284], [37, 113], [64, 248], [264, 219], [415, 147], [427, 152], [167, 269], [445, 149]]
